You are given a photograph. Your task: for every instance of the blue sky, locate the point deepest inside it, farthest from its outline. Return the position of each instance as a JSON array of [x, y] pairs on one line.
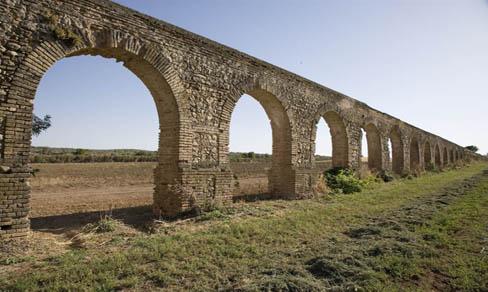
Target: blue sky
[[423, 61]]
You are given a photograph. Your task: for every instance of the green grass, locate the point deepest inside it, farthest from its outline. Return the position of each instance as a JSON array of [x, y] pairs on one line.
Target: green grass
[[401, 236]]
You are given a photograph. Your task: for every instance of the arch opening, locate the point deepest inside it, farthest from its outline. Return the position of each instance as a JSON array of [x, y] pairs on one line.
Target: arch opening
[[280, 182], [340, 144], [427, 155], [373, 141], [150, 74], [323, 146], [389, 157], [437, 155], [397, 151], [250, 148], [414, 154], [445, 157]]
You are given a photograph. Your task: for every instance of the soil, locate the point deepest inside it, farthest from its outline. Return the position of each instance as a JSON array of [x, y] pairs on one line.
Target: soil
[[64, 201]]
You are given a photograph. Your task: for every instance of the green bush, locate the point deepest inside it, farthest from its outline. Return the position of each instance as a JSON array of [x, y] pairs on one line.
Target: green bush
[[429, 166], [80, 152], [387, 176], [343, 180]]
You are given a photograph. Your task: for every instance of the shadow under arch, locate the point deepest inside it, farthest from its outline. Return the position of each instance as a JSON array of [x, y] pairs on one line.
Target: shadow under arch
[[152, 68], [445, 156], [397, 150], [414, 153], [427, 155], [374, 147], [437, 154]]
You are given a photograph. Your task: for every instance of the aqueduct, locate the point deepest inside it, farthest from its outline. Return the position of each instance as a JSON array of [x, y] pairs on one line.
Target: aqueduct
[[195, 83]]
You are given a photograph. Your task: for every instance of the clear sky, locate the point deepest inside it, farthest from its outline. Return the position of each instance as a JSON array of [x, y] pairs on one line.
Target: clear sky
[[423, 61]]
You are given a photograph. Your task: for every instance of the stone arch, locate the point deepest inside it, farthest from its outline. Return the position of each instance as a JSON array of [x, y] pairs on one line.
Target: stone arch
[[338, 133], [152, 68], [414, 153], [281, 182], [437, 153], [374, 146], [445, 156], [452, 156], [397, 152], [427, 154]]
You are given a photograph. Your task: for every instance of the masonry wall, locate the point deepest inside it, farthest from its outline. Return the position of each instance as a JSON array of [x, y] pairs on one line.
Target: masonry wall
[[195, 83]]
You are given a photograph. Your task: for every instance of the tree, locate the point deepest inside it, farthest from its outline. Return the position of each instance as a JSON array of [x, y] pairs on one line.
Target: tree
[[39, 125], [80, 151], [472, 148]]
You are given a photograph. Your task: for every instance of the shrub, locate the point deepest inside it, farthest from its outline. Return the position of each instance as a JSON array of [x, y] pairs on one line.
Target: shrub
[[387, 176], [105, 224], [80, 152], [343, 180], [430, 167]]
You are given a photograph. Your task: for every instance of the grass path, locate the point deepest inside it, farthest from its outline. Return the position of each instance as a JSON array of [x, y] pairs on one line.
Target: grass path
[[426, 234]]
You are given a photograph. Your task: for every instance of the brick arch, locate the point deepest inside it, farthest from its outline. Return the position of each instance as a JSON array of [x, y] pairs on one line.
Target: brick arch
[[373, 140], [338, 132], [280, 177], [414, 153], [397, 150], [437, 155], [427, 154], [152, 68]]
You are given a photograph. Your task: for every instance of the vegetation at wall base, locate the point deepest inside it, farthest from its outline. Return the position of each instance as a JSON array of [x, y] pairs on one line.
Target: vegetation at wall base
[[345, 181]]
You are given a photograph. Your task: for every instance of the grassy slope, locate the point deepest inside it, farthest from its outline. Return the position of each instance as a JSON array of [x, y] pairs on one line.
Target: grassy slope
[[413, 235]]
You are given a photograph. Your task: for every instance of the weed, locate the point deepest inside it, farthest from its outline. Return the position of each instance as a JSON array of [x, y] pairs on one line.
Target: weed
[[105, 224], [67, 35], [430, 167], [343, 180], [400, 267], [387, 176], [320, 187], [213, 215], [12, 260]]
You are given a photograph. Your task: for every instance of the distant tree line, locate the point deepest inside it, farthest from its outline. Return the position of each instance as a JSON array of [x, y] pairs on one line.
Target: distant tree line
[[69, 155]]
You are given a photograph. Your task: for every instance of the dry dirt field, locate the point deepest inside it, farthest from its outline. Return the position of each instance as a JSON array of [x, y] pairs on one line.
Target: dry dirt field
[[73, 188]]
